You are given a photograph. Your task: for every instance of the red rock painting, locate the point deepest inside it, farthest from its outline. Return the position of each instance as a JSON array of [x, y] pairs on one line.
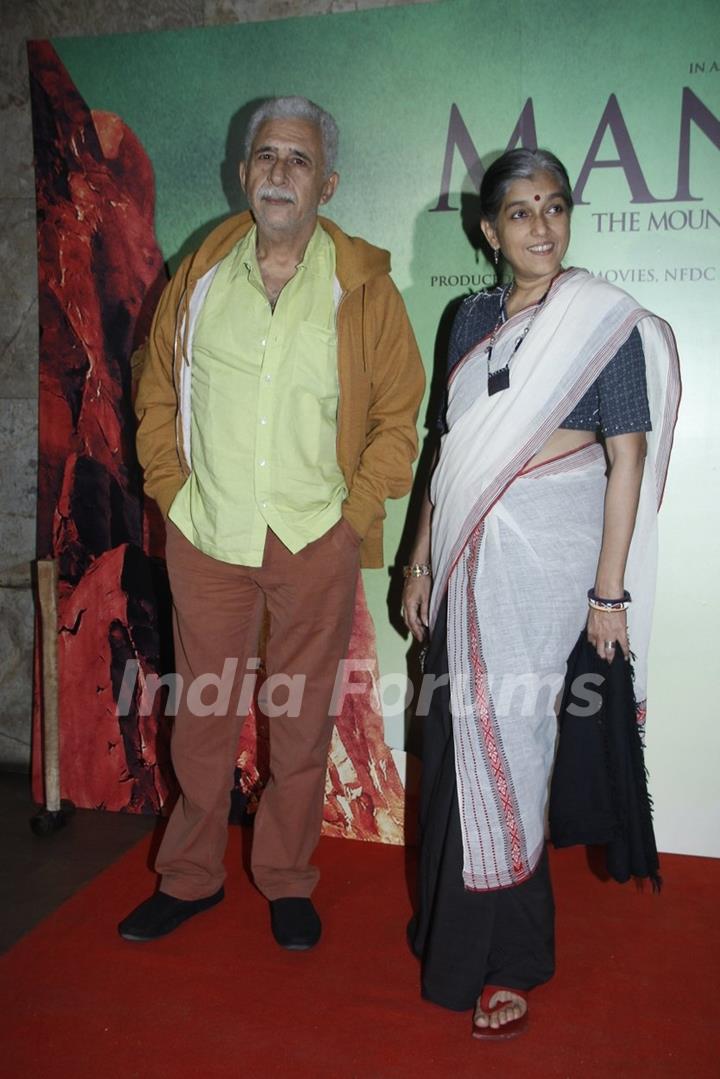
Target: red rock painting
[[364, 797], [100, 275]]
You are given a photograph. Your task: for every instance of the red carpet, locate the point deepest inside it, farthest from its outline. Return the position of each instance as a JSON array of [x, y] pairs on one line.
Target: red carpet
[[634, 994]]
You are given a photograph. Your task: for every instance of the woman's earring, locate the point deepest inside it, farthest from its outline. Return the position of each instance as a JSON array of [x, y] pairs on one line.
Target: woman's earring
[[496, 255]]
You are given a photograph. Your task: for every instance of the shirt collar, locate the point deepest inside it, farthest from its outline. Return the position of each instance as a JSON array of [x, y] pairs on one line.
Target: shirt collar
[[312, 259], [244, 256]]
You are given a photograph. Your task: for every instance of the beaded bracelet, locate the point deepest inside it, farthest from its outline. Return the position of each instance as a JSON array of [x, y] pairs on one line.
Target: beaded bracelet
[[418, 569], [599, 604]]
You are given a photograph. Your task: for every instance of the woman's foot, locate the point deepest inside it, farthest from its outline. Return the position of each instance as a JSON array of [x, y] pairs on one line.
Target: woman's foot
[[500, 1012]]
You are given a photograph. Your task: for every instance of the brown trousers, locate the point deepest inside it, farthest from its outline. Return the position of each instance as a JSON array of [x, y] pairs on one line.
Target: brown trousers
[[217, 615]]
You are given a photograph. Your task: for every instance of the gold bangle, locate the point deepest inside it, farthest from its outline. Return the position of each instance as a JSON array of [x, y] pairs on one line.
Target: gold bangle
[[418, 569]]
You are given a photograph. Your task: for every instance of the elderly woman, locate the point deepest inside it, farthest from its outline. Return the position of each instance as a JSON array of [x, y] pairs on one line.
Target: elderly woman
[[562, 398]]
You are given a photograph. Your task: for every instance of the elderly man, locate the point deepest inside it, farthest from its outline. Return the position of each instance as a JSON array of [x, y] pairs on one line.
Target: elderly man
[[277, 412]]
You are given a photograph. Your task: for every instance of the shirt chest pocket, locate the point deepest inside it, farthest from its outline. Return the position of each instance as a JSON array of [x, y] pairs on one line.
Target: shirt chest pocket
[[313, 356], [311, 404]]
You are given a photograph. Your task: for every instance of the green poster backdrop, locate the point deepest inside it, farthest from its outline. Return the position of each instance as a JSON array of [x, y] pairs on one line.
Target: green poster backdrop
[[629, 98]]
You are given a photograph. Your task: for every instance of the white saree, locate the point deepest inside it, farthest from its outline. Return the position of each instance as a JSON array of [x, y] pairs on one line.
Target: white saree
[[516, 550]]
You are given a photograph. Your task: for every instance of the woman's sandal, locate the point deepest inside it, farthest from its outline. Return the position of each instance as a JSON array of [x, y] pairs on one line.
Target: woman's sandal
[[506, 1030]]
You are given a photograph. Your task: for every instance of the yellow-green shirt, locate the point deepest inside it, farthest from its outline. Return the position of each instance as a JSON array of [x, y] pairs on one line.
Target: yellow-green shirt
[[264, 400]]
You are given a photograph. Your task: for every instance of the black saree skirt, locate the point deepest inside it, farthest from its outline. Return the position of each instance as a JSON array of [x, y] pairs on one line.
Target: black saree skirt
[[465, 939]]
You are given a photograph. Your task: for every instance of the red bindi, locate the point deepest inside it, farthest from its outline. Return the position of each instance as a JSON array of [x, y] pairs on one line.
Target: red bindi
[[537, 198]]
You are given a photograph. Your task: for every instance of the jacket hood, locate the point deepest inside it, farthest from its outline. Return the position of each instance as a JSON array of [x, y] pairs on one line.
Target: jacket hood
[[357, 261]]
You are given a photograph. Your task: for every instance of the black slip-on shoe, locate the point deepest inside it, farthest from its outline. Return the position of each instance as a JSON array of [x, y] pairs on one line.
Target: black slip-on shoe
[[295, 923], [162, 913]]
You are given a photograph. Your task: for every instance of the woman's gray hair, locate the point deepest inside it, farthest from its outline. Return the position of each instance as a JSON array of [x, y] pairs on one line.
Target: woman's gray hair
[[297, 108], [519, 165]]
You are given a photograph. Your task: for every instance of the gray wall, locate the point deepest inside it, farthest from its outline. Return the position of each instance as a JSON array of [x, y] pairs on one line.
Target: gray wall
[[21, 20]]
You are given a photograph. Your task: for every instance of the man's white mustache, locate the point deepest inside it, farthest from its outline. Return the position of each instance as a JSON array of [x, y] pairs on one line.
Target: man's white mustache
[[267, 191]]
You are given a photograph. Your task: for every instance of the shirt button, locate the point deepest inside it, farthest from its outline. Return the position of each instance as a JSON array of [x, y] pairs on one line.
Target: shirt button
[[264, 505], [262, 463], [268, 378], [263, 420], [263, 342]]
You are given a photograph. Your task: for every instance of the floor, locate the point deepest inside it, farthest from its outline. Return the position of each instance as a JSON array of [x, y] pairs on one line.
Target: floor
[[634, 997], [633, 948], [41, 872]]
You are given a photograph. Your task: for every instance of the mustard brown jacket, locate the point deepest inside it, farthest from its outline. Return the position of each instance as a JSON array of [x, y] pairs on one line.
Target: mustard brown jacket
[[380, 377]]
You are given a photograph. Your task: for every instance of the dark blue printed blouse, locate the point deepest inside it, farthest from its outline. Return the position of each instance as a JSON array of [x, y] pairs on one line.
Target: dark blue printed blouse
[[615, 404]]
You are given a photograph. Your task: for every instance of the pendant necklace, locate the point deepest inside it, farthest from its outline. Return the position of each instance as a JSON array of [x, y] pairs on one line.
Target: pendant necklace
[[500, 379]]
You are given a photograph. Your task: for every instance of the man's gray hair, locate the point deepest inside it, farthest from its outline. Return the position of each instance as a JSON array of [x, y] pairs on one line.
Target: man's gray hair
[[297, 108]]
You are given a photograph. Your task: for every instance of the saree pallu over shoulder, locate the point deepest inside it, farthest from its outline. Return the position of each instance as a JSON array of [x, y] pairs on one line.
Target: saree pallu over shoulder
[[583, 323], [515, 551]]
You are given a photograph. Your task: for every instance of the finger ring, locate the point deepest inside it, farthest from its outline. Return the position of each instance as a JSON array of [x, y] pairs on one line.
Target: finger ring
[[609, 646]]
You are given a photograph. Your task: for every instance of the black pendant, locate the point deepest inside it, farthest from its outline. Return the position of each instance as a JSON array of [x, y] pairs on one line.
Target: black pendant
[[498, 380]]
